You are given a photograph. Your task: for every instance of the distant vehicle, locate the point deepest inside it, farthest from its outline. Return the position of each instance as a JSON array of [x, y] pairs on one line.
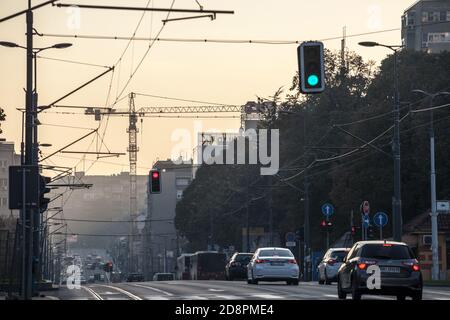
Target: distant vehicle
[[208, 265], [273, 264], [91, 279], [135, 277], [184, 266], [329, 266], [236, 268], [400, 270], [163, 277], [83, 279]]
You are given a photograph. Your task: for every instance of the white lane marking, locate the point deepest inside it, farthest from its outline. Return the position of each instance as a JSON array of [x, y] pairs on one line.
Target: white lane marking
[[156, 298], [151, 288], [52, 298], [426, 291], [125, 292], [228, 297], [330, 295], [92, 292], [216, 290], [267, 296], [194, 298]]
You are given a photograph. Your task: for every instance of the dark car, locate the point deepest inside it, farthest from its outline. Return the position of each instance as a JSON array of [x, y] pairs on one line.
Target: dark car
[[163, 277], [135, 277], [399, 271], [236, 268]]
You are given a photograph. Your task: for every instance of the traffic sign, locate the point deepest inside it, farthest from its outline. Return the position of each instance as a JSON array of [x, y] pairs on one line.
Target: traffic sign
[[327, 210], [380, 219], [290, 237], [366, 221], [290, 244], [443, 206], [365, 207]]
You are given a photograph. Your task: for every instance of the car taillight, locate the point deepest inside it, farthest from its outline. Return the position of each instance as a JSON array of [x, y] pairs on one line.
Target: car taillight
[[331, 262], [259, 261], [413, 265], [293, 261], [362, 265], [416, 267]]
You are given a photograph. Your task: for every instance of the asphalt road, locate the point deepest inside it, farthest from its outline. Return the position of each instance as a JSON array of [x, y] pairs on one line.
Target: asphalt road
[[217, 290]]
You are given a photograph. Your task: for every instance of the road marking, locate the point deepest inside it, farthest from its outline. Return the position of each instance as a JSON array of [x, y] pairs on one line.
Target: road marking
[[151, 288], [125, 292], [436, 292], [96, 295], [216, 290], [52, 297], [267, 296], [228, 297], [194, 298], [156, 298]]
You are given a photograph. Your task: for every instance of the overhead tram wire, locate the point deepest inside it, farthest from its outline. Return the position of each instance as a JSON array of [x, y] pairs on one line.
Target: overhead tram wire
[[180, 99], [109, 221], [228, 41]]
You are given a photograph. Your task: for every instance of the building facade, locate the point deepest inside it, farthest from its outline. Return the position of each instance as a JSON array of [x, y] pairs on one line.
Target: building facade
[[162, 243], [426, 26], [8, 157]]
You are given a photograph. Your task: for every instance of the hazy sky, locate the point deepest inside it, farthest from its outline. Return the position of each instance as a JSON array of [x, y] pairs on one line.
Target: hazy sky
[[224, 73]]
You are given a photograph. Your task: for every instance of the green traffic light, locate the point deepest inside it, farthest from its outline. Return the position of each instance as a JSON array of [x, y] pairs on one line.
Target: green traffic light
[[313, 80]]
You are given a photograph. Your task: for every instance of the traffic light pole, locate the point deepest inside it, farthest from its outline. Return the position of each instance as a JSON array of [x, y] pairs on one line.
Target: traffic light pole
[[28, 214]]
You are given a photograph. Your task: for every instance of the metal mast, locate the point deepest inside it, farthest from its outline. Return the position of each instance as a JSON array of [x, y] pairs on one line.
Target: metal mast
[[132, 151]]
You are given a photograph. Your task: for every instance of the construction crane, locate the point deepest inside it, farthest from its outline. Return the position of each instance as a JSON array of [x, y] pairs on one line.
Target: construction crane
[[249, 111]]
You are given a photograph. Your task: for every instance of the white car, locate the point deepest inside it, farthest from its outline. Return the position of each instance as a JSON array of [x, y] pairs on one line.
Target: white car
[[273, 264], [329, 266]]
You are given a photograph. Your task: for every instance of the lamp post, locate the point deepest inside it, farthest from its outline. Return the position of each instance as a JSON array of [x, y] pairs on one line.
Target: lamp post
[[396, 199], [434, 214], [30, 215]]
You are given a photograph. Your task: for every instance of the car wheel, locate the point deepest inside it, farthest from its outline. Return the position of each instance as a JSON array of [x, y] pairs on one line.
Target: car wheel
[[326, 279], [356, 295], [295, 282], [341, 294], [288, 282], [417, 296], [401, 297], [321, 281], [249, 281]]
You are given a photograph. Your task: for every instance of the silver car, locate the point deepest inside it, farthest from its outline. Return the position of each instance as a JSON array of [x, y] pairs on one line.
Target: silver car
[[273, 264], [329, 266]]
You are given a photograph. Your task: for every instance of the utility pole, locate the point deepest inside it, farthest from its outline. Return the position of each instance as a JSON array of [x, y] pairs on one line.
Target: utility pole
[[248, 214], [397, 200], [307, 241]]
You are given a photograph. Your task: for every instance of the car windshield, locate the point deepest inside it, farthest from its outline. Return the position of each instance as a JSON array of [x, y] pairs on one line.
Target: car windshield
[[338, 255], [275, 253], [388, 252], [243, 258]]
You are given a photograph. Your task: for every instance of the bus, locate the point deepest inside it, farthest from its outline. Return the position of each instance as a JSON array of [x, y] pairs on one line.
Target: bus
[[208, 265], [184, 266]]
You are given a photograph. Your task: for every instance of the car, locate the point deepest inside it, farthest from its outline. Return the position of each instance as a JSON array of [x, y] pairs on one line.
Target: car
[[399, 271], [273, 264], [163, 277], [236, 268], [132, 277], [329, 266]]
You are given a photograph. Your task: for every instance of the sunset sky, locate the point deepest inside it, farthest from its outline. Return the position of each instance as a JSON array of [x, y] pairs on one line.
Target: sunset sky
[[222, 73]]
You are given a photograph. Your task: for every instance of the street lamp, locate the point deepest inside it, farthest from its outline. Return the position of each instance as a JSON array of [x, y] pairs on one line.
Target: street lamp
[[396, 199], [434, 214]]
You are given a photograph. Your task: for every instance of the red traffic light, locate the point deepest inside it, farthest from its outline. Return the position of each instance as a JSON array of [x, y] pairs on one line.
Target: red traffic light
[[324, 223], [155, 181], [155, 175]]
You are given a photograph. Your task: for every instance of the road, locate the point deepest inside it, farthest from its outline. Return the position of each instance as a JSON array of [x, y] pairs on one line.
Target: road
[[217, 290]]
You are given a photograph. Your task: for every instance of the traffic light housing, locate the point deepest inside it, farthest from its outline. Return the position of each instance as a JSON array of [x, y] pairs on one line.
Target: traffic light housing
[[311, 67], [43, 189], [155, 181]]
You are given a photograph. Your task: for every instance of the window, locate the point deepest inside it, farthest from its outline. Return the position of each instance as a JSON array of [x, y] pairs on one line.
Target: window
[[3, 185], [424, 16], [275, 253], [437, 37], [434, 16], [3, 202], [179, 194], [380, 251]]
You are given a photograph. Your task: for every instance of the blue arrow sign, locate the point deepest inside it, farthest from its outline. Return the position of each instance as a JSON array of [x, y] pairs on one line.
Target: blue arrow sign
[[380, 219], [290, 237], [366, 221], [327, 210]]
